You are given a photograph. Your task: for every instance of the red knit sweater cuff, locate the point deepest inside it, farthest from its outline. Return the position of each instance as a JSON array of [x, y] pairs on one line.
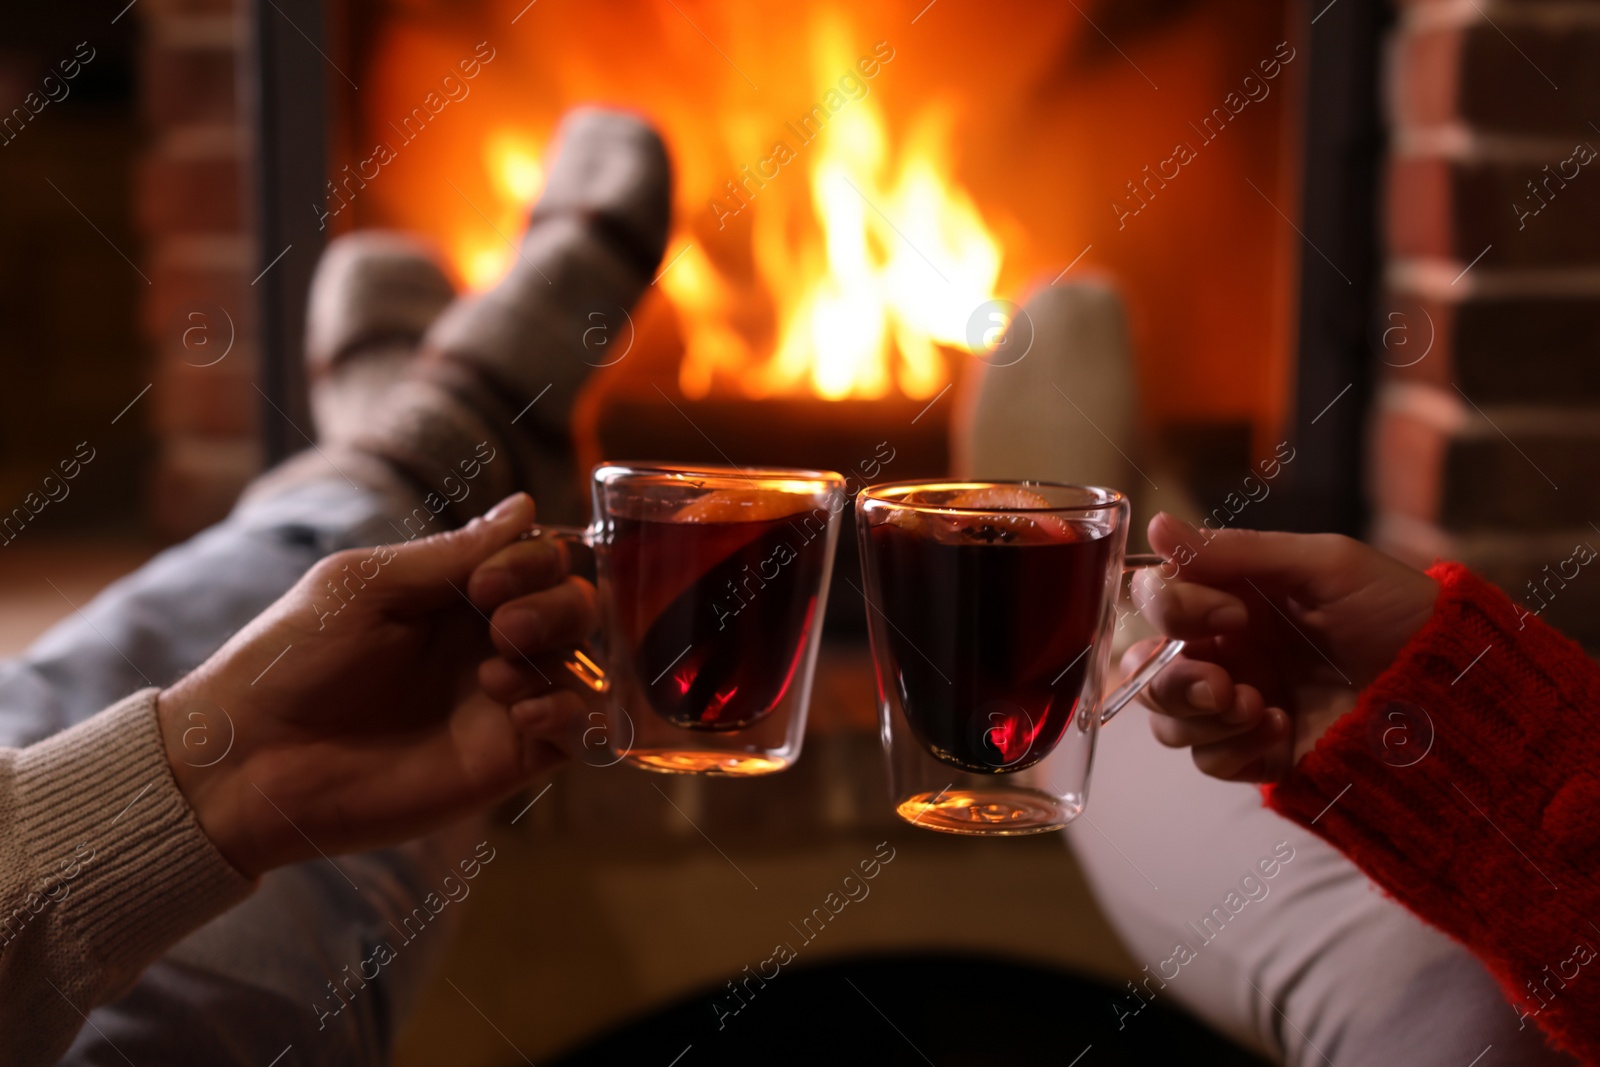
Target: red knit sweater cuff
[[1480, 700], [1464, 782]]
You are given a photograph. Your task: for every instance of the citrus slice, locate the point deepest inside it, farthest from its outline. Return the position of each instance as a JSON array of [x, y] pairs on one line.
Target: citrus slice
[[740, 505], [1016, 521], [999, 497]]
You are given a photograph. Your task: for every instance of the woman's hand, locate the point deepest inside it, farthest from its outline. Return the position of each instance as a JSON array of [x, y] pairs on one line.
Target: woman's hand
[[346, 716], [1282, 631]]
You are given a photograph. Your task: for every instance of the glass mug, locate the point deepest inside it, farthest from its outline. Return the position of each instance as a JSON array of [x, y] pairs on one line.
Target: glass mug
[[713, 582], [990, 608]]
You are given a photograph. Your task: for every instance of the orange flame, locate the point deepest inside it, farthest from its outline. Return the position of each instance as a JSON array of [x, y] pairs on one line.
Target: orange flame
[[989, 153], [481, 255], [869, 256], [889, 263]]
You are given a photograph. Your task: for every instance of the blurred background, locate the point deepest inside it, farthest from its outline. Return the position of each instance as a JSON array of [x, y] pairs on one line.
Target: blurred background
[[1382, 247]]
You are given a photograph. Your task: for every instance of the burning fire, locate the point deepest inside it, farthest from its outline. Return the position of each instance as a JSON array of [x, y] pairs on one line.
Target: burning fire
[[963, 150], [890, 262], [863, 256], [511, 159]]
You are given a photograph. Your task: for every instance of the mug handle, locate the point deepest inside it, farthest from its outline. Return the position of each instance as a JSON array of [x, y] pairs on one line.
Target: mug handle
[[1164, 654], [581, 661]]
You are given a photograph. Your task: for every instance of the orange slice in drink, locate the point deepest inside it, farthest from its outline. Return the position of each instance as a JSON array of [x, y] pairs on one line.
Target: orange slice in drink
[[1017, 518], [740, 505], [1000, 497]]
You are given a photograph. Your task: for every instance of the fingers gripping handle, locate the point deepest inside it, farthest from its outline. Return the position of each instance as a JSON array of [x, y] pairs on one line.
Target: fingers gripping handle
[[1164, 654], [1118, 698], [580, 661]]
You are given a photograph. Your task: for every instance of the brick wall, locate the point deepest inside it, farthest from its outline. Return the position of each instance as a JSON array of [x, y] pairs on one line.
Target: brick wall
[[1487, 448], [191, 212]]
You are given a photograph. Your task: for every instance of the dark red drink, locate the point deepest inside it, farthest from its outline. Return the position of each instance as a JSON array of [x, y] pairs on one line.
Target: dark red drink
[[989, 620], [716, 613]]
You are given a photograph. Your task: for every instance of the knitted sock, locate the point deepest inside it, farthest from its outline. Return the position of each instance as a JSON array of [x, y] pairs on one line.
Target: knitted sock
[[373, 296], [499, 371]]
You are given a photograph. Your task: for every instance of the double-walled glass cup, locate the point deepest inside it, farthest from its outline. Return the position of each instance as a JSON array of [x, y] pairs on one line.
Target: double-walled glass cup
[[713, 582], [990, 608]]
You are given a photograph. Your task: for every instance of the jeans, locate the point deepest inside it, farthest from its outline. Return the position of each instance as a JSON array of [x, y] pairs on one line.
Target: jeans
[[254, 984]]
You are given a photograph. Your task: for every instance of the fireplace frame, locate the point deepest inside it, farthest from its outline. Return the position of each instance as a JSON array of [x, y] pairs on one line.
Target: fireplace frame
[[286, 96], [1343, 149], [287, 89]]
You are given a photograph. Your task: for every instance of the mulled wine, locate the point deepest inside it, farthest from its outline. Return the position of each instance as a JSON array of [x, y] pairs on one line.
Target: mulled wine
[[990, 621], [715, 607]]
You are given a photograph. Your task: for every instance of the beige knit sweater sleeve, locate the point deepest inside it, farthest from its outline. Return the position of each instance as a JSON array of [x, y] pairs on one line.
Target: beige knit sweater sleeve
[[103, 866]]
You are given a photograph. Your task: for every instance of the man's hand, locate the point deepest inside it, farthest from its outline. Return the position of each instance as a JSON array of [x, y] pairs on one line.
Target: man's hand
[[350, 703], [1282, 631]]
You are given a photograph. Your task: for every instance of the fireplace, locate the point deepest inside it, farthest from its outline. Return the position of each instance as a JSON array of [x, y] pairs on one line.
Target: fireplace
[[985, 165], [865, 194], [854, 184]]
